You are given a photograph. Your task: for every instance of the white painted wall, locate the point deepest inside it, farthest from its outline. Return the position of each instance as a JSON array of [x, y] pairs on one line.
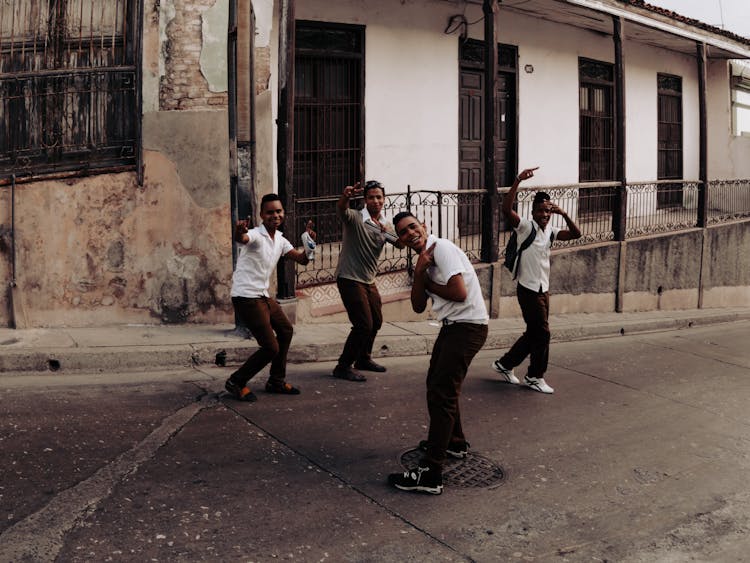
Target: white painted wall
[[728, 155], [642, 66], [411, 89], [411, 94]]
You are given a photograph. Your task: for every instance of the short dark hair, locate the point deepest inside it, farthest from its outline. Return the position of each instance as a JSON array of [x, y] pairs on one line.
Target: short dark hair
[[372, 185], [540, 197], [402, 215], [269, 197]]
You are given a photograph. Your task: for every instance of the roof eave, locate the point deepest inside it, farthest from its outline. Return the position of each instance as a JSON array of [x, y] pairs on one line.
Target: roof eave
[[728, 49]]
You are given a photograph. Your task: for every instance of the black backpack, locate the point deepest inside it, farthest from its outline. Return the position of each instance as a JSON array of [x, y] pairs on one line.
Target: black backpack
[[513, 252]]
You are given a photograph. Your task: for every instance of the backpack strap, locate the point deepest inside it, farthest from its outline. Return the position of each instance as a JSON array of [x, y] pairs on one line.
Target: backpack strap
[[524, 245]]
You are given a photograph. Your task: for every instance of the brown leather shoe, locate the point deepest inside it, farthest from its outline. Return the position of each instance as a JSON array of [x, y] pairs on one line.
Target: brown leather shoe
[[345, 372], [369, 365], [282, 388]]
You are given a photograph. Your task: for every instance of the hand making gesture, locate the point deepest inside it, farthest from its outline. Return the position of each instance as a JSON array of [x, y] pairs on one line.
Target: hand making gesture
[[425, 260], [309, 229], [351, 191], [526, 173], [240, 229]]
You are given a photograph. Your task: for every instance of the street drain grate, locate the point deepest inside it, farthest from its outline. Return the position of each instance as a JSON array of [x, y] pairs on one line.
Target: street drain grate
[[474, 471]]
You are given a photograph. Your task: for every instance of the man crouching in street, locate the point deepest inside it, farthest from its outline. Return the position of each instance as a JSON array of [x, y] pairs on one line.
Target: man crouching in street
[[260, 250], [444, 274]]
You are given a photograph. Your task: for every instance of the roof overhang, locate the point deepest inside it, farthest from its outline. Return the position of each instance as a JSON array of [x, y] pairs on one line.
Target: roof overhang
[[640, 25]]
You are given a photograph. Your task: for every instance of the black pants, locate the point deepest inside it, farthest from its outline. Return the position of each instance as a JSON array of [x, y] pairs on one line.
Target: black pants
[[364, 307], [263, 316], [455, 347], [535, 341]]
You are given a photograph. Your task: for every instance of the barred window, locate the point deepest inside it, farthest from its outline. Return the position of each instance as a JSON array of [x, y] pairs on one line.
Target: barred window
[[670, 126], [669, 137], [68, 98], [597, 128]]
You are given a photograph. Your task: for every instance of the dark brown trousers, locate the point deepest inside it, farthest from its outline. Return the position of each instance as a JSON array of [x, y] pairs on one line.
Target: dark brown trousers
[[455, 347], [535, 341], [364, 307], [264, 316]]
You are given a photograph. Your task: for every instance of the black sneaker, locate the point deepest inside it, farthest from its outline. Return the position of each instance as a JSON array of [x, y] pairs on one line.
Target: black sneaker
[[422, 479], [240, 393], [459, 452]]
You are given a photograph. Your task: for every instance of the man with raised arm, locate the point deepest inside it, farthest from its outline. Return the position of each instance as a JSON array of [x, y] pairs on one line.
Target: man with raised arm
[[532, 271], [365, 233]]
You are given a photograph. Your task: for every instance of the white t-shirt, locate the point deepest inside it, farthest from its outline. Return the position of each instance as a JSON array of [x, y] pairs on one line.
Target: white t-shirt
[[449, 261], [257, 261], [534, 262]]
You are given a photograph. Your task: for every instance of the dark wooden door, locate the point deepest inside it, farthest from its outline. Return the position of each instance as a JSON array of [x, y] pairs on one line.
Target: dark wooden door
[[505, 128], [471, 139], [471, 130]]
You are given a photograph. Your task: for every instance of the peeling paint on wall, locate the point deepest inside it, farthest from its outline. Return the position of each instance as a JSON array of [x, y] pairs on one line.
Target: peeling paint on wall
[[119, 252], [214, 49], [167, 13], [263, 10], [182, 83]]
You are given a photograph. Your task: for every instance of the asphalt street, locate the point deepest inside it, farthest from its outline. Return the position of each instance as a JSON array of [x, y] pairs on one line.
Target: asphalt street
[[641, 455]]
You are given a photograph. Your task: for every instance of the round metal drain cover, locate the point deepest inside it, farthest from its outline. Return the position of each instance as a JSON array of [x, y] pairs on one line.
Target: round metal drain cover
[[474, 471]]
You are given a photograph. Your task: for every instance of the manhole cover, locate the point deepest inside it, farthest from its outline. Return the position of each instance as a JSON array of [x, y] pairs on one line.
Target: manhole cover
[[474, 471]]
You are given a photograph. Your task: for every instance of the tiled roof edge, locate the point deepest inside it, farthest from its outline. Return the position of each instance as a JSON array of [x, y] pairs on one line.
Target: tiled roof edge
[[684, 19]]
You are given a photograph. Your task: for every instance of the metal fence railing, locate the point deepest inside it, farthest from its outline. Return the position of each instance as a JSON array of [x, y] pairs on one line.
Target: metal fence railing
[[652, 207], [728, 200], [661, 206]]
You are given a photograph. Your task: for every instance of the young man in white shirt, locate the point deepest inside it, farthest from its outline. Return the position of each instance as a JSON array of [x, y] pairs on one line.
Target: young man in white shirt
[[444, 274], [532, 271], [260, 250]]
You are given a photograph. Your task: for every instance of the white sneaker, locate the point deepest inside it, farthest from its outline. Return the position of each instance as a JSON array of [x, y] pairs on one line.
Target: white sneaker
[[508, 374], [537, 384]]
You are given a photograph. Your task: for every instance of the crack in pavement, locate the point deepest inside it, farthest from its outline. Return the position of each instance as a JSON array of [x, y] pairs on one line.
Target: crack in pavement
[[350, 486], [40, 536]]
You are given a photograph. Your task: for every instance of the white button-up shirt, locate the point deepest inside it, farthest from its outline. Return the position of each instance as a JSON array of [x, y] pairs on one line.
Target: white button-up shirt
[[257, 261], [534, 262]]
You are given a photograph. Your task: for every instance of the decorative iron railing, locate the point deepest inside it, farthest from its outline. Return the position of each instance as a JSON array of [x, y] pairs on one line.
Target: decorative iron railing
[[728, 200], [652, 207], [661, 206]]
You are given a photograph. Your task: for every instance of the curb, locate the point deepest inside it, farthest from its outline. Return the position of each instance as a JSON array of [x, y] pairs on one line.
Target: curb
[[106, 359]]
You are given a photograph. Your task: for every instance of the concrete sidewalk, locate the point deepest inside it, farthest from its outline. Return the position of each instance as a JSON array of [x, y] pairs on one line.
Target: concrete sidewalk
[[145, 347]]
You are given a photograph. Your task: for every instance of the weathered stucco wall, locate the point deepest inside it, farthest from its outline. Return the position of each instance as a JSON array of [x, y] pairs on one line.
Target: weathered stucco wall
[[102, 250], [196, 141], [6, 241], [581, 279], [726, 277], [663, 272]]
